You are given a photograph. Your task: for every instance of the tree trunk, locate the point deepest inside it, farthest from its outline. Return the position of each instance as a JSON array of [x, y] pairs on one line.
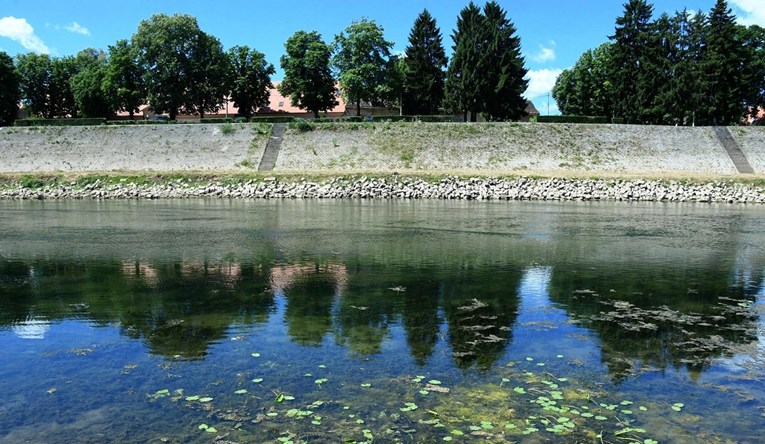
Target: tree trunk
[[316, 114], [173, 114], [358, 108], [473, 116]]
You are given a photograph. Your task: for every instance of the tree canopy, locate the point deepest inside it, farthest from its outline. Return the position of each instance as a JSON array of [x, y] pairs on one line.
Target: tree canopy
[[362, 60], [123, 79], [250, 79], [308, 79], [9, 90]]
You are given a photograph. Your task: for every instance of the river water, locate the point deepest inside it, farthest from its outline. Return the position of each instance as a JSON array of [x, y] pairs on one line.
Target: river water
[[388, 321]]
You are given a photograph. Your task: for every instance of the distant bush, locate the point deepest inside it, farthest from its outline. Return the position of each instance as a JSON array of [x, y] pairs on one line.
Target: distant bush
[[227, 128], [272, 119], [122, 122], [434, 118], [60, 122], [618, 120], [302, 125], [216, 120], [572, 119], [393, 118]]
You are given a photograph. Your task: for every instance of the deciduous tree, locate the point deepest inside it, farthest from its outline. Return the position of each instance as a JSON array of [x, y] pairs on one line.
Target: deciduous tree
[[34, 71], [9, 90], [362, 59], [308, 80], [123, 80], [250, 79]]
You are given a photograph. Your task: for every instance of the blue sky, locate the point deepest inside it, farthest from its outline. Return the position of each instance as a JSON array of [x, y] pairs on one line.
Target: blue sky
[[553, 33]]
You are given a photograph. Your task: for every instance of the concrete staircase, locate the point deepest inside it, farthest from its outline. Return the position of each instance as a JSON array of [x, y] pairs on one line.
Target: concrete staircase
[[734, 151], [268, 162]]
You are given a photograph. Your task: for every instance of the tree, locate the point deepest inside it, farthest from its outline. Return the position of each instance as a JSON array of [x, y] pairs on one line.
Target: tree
[[362, 59], [251, 79], [723, 66], [34, 71], [424, 65], [754, 68], [463, 80], [9, 90], [123, 82], [585, 89], [169, 50], [629, 74], [87, 85], [60, 94], [308, 79], [210, 77], [503, 67]]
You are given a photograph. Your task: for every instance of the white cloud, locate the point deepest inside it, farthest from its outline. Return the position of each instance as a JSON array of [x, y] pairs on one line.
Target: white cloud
[[77, 29], [545, 54], [750, 12], [541, 81], [18, 30]]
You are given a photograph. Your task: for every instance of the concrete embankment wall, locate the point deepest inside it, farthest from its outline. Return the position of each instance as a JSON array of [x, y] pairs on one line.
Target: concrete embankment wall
[[507, 148]]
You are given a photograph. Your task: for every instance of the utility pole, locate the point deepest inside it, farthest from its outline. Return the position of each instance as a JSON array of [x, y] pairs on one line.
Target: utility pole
[[548, 103]]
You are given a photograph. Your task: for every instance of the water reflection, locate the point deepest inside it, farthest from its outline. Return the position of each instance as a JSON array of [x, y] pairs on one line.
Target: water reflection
[[645, 319]]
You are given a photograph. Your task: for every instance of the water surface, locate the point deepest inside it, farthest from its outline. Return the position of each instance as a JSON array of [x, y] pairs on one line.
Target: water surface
[[392, 321]]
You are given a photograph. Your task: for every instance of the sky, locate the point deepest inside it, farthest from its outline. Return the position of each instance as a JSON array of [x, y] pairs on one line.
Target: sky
[[554, 33]]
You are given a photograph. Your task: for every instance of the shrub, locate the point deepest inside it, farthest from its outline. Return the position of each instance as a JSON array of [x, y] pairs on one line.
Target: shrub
[[227, 128], [618, 120], [30, 182], [435, 118], [572, 119], [60, 122], [122, 122], [393, 118], [272, 119], [302, 125], [216, 120]]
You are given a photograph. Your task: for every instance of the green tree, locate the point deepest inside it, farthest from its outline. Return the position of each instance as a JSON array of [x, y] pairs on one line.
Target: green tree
[[10, 94], [585, 89], [362, 59], [87, 85], [423, 69], [169, 50], [60, 93], [34, 71], [463, 80], [723, 63], [754, 68], [629, 74], [210, 77], [308, 80], [503, 67], [123, 79], [251, 79]]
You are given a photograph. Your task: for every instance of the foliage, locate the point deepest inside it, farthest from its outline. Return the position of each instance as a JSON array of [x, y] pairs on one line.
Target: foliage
[[123, 81], [182, 66], [424, 67], [87, 85], [272, 119], [9, 90], [34, 71], [487, 72], [251, 82], [572, 119], [308, 79], [60, 122], [585, 89], [363, 62], [302, 125], [628, 72]]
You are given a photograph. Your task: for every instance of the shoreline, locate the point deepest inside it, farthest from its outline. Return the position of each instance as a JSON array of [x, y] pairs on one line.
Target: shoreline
[[392, 186]]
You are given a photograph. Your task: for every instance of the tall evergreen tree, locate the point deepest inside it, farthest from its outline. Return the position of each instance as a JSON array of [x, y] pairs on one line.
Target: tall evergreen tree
[[630, 78], [9, 90], [503, 67], [723, 66], [424, 67], [463, 80], [308, 80]]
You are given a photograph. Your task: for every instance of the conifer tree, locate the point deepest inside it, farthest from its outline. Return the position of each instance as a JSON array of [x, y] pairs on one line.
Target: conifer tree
[[723, 63], [462, 88], [424, 67], [628, 72]]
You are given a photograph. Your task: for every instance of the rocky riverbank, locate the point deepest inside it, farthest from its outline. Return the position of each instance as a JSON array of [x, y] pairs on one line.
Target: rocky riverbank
[[397, 187]]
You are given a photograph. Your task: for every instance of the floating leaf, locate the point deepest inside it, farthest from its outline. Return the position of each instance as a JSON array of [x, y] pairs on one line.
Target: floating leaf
[[520, 390], [359, 421], [192, 398], [272, 414], [257, 380], [206, 399], [447, 438], [601, 418], [255, 355], [203, 427], [366, 385], [240, 392], [424, 392], [529, 359], [434, 382], [322, 366], [457, 432], [320, 381], [510, 426], [279, 398], [211, 430], [643, 408]]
